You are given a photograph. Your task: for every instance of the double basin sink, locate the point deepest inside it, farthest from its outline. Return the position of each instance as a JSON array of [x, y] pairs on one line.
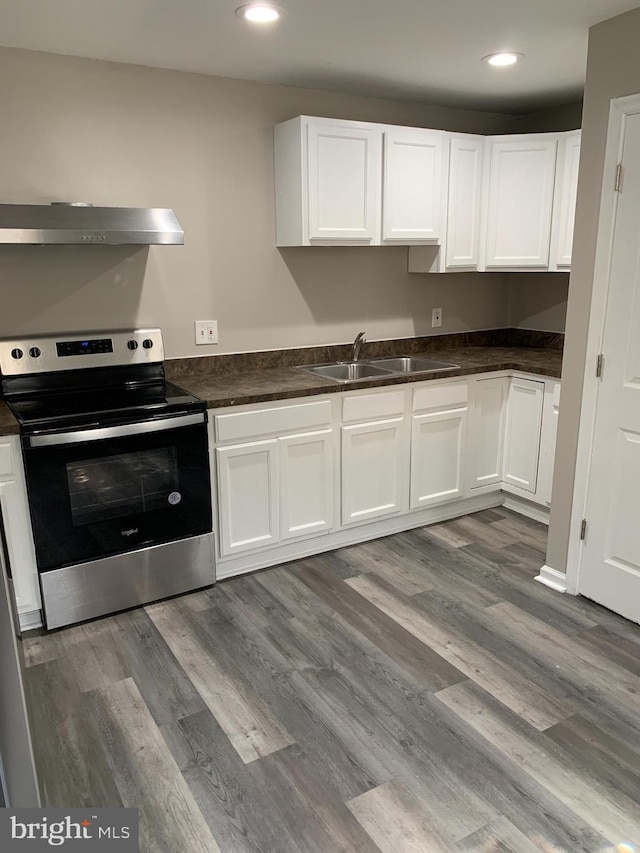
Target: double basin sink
[[376, 368]]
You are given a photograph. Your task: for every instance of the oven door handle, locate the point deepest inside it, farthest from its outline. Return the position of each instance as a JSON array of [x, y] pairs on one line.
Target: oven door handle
[[105, 433]]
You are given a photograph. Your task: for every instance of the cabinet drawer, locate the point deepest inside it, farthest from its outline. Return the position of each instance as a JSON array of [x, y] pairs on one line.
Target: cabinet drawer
[[366, 407], [282, 419], [450, 396], [6, 460]]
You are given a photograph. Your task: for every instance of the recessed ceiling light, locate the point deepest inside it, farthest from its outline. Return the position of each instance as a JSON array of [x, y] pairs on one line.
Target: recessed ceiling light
[[261, 13], [500, 60]]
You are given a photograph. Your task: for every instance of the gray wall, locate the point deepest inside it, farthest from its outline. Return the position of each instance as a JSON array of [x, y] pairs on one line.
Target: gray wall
[[76, 129], [538, 300], [613, 70]]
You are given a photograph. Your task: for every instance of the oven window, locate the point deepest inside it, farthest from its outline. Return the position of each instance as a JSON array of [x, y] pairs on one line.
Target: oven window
[[122, 484]]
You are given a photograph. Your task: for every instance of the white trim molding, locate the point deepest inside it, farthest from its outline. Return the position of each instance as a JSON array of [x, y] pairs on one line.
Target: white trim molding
[[553, 579]]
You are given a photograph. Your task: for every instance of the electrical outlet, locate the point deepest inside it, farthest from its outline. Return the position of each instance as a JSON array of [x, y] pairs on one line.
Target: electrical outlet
[[206, 331], [436, 318]]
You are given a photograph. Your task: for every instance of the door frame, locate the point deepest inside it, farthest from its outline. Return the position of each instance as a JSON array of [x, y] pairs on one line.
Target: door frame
[[619, 109]]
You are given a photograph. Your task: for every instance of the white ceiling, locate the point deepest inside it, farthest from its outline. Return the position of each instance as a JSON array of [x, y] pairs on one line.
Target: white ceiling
[[419, 50]]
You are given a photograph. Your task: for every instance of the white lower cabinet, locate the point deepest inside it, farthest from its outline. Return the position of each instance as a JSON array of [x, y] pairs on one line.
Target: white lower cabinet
[[289, 473], [17, 528], [248, 495], [522, 438], [548, 436], [438, 444], [306, 483], [373, 470], [486, 432]]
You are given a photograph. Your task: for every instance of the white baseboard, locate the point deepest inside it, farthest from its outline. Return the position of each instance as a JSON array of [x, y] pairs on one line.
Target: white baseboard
[[528, 508], [30, 620], [553, 579], [227, 568]]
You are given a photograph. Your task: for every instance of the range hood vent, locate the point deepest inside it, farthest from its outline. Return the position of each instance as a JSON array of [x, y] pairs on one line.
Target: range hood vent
[[83, 224]]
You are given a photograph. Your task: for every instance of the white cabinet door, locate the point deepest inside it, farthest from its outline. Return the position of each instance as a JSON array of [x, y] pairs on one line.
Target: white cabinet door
[[463, 209], [247, 495], [15, 512], [344, 182], [520, 201], [412, 185], [522, 437], [437, 454], [549, 432], [306, 483], [565, 208], [486, 432], [374, 470]]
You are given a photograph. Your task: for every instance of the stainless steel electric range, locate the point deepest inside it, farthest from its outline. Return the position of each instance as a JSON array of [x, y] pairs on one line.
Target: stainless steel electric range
[[117, 469]]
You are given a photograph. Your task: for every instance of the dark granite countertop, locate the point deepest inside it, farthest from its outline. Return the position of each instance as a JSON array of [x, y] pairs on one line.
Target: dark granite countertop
[[258, 385], [244, 378]]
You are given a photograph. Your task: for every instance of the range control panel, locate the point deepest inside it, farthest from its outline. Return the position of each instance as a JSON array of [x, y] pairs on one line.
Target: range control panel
[[71, 351]]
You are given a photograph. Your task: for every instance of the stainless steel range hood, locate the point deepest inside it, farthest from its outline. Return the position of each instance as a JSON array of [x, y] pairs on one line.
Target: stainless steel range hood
[[83, 224]]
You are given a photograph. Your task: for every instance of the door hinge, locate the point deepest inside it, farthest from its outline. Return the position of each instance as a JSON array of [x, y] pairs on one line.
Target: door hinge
[[599, 366], [583, 529], [618, 183]]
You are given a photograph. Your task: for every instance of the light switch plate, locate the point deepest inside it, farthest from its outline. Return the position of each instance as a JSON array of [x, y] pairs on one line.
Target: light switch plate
[[206, 331]]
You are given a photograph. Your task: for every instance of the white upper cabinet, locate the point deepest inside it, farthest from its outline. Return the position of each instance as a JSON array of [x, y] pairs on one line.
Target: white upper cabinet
[[328, 182], [463, 209], [412, 206], [565, 199], [519, 202]]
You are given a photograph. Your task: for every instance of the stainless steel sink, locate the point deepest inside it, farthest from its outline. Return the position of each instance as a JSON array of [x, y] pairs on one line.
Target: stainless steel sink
[[410, 364], [347, 371]]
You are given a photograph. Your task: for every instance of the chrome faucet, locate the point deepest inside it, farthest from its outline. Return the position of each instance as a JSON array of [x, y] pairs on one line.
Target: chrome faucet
[[356, 346]]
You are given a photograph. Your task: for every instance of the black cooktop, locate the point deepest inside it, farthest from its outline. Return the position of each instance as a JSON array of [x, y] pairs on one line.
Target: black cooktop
[[97, 408]]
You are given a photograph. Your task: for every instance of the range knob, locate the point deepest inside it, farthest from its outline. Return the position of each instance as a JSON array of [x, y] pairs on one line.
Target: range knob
[[35, 352], [16, 353], [132, 344], [147, 343]]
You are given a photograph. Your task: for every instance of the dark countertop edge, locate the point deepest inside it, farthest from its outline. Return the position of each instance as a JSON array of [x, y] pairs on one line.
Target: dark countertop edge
[[337, 387], [9, 425]]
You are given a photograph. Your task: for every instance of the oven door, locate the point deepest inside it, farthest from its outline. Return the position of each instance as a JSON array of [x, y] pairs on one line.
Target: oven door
[[102, 491]]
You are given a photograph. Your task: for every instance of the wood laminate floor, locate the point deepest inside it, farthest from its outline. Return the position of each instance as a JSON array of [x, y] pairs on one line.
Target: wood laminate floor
[[416, 694]]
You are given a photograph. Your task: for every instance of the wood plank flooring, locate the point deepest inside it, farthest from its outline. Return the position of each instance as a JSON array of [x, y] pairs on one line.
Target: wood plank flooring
[[417, 694]]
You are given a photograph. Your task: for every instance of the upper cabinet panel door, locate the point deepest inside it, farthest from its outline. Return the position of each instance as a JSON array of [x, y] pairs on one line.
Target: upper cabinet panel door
[[463, 210], [520, 201], [568, 190], [412, 185], [344, 174]]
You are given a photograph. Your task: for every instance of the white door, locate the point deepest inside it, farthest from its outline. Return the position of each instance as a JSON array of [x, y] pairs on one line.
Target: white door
[[521, 181], [344, 169], [610, 566], [522, 436], [437, 453], [248, 496], [463, 208], [306, 483], [374, 478], [412, 185], [486, 433]]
